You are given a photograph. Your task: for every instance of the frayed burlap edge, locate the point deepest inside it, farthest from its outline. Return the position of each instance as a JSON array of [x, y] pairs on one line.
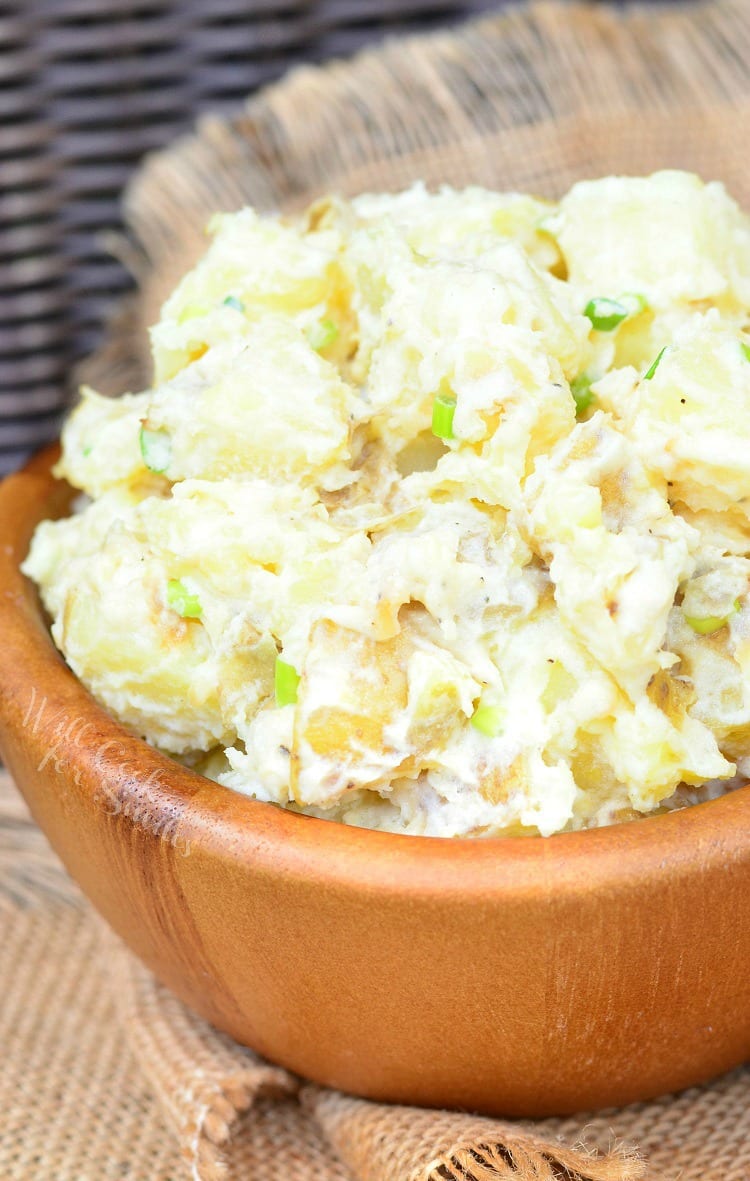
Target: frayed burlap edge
[[450, 1146]]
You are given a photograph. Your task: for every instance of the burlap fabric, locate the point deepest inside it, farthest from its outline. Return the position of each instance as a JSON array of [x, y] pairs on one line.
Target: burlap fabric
[[104, 1075]]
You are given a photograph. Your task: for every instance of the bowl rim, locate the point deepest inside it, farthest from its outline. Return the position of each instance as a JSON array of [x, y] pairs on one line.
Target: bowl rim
[[234, 827]]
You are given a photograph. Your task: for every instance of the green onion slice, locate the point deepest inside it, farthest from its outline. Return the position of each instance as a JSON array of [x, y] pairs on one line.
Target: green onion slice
[[156, 449], [488, 719], [605, 314], [286, 682], [654, 365], [322, 334], [583, 395], [745, 350], [182, 601], [443, 410], [706, 625], [232, 301]]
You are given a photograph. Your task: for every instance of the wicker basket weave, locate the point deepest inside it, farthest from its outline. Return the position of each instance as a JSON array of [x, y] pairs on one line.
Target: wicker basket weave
[[86, 88]]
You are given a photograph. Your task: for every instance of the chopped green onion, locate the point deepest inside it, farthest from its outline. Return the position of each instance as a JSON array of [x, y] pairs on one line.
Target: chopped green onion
[[286, 682], [443, 410], [87, 450], [156, 449], [706, 625], [232, 301], [583, 395], [322, 334], [605, 314], [654, 365], [488, 719], [745, 350], [182, 601]]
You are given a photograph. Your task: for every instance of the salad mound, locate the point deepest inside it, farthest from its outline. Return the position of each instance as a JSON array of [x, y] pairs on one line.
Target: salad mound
[[437, 516]]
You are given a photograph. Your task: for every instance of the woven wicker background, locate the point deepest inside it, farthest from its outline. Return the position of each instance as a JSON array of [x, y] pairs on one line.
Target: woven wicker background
[[86, 88]]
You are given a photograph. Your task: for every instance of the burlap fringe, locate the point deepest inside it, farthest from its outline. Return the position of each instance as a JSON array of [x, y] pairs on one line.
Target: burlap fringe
[[517, 1159], [388, 1143]]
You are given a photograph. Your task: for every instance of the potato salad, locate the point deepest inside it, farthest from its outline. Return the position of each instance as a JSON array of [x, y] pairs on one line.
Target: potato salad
[[436, 518]]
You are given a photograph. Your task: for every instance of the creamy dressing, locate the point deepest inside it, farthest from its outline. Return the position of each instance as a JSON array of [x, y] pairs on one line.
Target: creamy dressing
[[412, 531]]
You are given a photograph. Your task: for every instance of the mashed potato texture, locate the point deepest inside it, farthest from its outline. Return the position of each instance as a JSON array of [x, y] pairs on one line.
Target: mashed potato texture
[[437, 516]]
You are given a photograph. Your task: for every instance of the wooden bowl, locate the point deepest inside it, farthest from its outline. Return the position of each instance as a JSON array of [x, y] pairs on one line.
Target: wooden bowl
[[525, 977]]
